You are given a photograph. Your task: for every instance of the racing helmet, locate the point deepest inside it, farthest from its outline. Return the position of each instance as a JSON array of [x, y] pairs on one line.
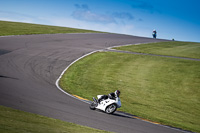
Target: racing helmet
[[117, 93]]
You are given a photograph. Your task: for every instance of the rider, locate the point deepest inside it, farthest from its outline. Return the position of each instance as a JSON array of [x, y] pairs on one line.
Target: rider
[[111, 96]]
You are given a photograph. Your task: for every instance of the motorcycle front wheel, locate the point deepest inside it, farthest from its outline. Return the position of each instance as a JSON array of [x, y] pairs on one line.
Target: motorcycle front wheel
[[93, 106], [111, 109]]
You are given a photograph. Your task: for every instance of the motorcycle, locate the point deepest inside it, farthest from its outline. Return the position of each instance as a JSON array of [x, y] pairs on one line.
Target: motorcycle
[[108, 105]]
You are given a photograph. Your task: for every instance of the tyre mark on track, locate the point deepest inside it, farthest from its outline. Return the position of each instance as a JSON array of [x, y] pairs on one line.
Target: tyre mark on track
[[2, 76], [2, 52]]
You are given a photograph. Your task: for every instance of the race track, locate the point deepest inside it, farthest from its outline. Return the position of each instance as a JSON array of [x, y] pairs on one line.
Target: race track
[[31, 64]]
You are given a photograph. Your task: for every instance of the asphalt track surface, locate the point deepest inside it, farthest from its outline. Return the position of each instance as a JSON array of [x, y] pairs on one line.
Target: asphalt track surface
[[31, 64]]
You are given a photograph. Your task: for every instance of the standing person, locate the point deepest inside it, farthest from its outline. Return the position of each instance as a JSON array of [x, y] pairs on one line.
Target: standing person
[[154, 33]]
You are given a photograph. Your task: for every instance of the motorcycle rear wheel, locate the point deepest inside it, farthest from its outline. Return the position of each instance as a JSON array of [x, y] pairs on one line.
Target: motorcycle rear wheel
[[111, 109]]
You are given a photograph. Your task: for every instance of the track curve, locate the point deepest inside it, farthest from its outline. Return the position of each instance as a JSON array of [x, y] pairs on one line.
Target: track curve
[[31, 64]]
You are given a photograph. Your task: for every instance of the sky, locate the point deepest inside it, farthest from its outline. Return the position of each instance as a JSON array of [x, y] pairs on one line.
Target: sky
[[172, 19]]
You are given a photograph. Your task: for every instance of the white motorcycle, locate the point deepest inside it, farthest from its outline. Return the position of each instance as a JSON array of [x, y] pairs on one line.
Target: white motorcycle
[[108, 105]]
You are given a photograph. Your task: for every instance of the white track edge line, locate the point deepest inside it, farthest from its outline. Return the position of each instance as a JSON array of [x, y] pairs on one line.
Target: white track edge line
[[57, 81]]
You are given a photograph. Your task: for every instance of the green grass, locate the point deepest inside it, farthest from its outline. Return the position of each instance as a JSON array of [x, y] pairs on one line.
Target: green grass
[[182, 49], [164, 90], [17, 28], [15, 121]]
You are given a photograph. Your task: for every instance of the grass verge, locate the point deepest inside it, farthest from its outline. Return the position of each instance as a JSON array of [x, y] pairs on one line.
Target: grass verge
[[15, 121], [17, 28], [181, 49], [164, 90]]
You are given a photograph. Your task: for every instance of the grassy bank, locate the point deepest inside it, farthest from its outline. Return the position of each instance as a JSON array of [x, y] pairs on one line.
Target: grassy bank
[[181, 49], [17, 28], [15, 121], [160, 89]]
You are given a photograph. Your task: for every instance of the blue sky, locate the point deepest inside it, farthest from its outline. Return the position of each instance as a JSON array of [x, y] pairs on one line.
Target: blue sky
[[178, 19]]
